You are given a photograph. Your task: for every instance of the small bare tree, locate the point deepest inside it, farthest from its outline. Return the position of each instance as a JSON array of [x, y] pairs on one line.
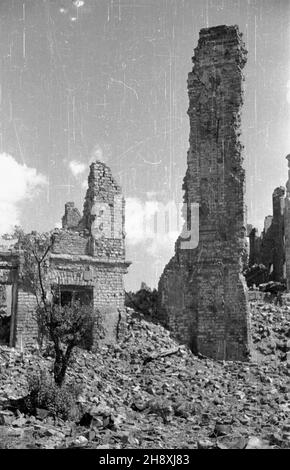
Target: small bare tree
[[66, 326]]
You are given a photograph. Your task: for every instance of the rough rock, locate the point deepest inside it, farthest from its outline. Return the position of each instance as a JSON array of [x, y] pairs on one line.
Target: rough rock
[[173, 401]]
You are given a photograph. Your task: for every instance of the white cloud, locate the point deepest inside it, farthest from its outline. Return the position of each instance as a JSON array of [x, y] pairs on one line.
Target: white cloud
[[162, 244], [17, 183], [145, 224], [134, 221], [77, 168]]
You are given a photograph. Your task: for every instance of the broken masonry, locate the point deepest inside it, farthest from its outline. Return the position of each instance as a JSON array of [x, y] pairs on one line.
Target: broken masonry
[[202, 292], [272, 247], [87, 263]]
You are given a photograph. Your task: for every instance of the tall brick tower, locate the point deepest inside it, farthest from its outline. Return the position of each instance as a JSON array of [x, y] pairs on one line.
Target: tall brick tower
[[216, 312]]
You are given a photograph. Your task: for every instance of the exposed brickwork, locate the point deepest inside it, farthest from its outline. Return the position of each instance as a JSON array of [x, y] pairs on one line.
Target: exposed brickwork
[[103, 213], [72, 216], [89, 251], [272, 248], [26, 333], [269, 248], [254, 248], [287, 227], [272, 240], [202, 291], [3, 300], [71, 242], [9, 263], [178, 296]]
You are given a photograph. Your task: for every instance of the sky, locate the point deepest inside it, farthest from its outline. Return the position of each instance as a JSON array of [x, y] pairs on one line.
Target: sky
[[107, 79]]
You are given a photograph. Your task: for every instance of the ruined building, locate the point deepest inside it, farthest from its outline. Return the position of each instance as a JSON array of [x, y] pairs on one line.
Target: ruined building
[[287, 227], [86, 263], [268, 248], [202, 291], [272, 248]]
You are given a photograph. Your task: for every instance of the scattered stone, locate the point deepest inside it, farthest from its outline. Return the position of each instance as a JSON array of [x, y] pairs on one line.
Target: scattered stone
[[193, 397], [257, 443], [232, 442], [222, 429], [6, 418], [205, 444], [41, 413], [81, 441]]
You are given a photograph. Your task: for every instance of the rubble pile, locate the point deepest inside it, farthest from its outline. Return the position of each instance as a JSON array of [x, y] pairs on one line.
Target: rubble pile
[[150, 392], [271, 331]]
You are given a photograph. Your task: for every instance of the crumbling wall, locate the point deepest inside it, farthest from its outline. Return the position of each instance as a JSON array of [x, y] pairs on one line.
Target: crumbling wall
[[103, 213], [105, 278], [9, 287], [72, 216], [216, 318], [287, 227], [5, 313], [26, 328], [92, 252], [71, 242], [89, 251], [178, 296], [272, 241], [255, 247], [269, 248]]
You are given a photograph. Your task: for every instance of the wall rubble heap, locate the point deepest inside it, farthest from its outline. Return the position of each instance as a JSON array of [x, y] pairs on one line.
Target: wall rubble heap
[[203, 296]]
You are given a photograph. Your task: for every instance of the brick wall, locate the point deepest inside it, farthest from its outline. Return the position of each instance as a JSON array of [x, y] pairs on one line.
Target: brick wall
[[26, 324], [71, 242], [107, 279], [178, 296], [287, 227], [72, 217], [87, 251], [210, 312], [272, 250]]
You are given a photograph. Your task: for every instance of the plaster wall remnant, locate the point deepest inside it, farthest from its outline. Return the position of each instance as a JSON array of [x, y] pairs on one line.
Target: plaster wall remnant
[[87, 262], [202, 292]]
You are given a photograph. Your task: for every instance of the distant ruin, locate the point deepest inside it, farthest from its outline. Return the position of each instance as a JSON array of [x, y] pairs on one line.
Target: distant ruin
[[271, 249], [86, 263], [202, 292]]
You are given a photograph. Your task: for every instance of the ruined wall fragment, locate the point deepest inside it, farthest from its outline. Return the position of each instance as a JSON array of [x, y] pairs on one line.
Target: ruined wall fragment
[[272, 250], [215, 318], [92, 253], [287, 227], [72, 216], [88, 257], [255, 247]]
